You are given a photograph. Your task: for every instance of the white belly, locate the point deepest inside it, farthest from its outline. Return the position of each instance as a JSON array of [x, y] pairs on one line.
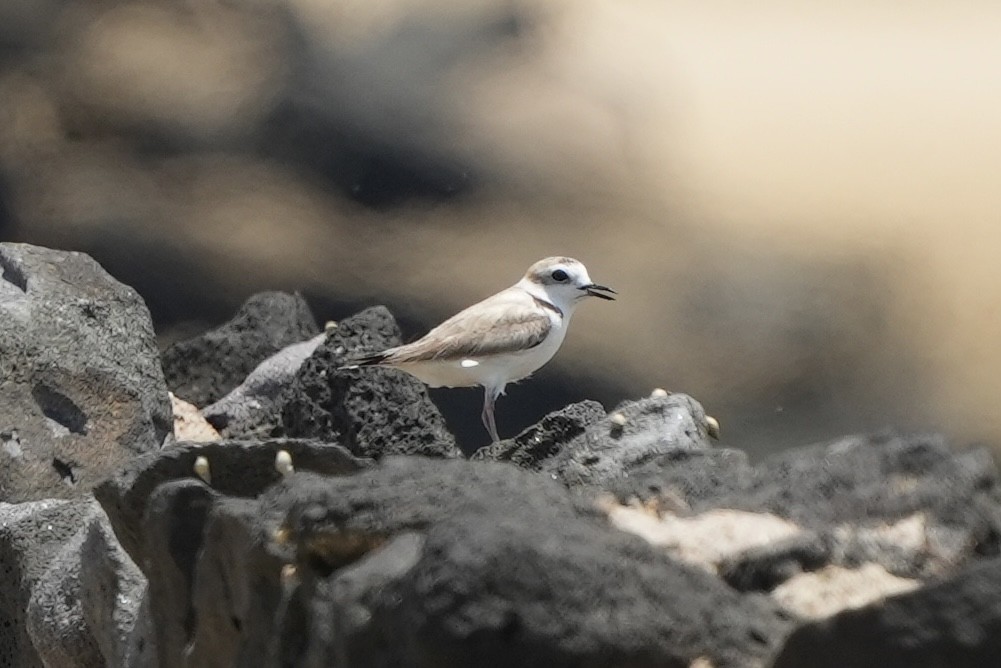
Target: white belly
[[490, 371]]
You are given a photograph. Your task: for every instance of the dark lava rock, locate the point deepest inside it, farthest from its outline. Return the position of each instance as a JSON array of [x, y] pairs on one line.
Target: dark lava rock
[[56, 622], [372, 411], [238, 591], [253, 409], [111, 590], [545, 438], [402, 494], [684, 479], [472, 563], [763, 568], [885, 477], [31, 535], [81, 389], [203, 369], [173, 535], [423, 562], [238, 468], [633, 433], [955, 623]]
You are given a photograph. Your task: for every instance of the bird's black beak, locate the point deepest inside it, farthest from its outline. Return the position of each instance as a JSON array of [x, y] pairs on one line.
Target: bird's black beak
[[596, 290]]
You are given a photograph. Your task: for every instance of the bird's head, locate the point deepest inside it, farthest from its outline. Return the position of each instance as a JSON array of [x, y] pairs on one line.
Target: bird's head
[[563, 281]]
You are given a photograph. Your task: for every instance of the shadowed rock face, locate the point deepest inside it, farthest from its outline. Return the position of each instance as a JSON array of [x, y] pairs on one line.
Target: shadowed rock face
[[428, 563], [373, 412], [33, 537], [956, 622], [81, 390], [203, 369]]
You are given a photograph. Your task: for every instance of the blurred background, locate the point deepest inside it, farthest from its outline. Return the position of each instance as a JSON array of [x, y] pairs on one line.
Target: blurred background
[[799, 204]]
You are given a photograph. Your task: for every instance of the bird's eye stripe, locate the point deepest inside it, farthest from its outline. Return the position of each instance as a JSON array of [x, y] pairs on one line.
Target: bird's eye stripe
[[559, 275]]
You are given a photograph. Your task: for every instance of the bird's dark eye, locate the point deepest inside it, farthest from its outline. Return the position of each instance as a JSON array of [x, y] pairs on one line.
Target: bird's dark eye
[[559, 275]]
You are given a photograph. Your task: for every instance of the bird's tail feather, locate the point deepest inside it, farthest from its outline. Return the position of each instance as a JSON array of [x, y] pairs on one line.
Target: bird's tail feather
[[365, 360]]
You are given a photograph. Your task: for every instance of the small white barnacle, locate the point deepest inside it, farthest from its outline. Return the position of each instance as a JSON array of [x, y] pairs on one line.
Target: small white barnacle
[[659, 393], [329, 325], [288, 573], [282, 535], [283, 463], [712, 427], [201, 468], [618, 419]]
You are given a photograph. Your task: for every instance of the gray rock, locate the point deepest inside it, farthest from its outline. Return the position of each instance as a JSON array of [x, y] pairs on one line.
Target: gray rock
[[842, 488], [887, 476], [507, 573], [252, 409], [633, 433], [203, 369], [81, 389], [545, 438], [141, 649], [348, 513], [955, 622], [55, 619], [31, 535], [763, 568], [111, 590], [238, 468], [238, 592], [684, 479], [173, 533], [371, 411]]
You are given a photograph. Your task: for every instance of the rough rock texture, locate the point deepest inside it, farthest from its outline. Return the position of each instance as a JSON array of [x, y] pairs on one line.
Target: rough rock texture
[[538, 589], [253, 408], [545, 438], [31, 538], [112, 589], [682, 478], [888, 476], [238, 468], [173, 533], [910, 503], [372, 411], [56, 621], [81, 390], [956, 622], [203, 369], [189, 424], [855, 490], [425, 562], [631, 434]]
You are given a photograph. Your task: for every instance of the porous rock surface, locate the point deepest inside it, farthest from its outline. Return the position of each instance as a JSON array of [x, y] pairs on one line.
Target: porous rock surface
[[205, 368], [545, 438], [593, 539], [252, 409], [81, 389], [372, 411], [429, 563], [238, 468], [33, 536]]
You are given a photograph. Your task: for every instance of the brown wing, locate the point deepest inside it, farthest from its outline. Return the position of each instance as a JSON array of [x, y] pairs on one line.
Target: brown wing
[[492, 327]]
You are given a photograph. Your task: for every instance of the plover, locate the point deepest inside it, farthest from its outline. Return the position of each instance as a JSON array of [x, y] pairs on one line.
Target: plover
[[500, 340]]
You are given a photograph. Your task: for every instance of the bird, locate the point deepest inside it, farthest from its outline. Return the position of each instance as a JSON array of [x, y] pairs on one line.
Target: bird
[[500, 340]]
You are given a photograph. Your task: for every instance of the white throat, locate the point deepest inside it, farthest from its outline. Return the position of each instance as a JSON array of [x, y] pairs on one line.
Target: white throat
[[561, 297]]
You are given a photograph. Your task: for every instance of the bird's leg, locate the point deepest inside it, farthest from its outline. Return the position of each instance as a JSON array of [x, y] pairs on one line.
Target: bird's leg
[[489, 397]]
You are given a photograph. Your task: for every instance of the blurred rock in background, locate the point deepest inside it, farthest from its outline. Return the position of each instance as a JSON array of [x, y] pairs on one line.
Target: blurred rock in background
[[798, 206]]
